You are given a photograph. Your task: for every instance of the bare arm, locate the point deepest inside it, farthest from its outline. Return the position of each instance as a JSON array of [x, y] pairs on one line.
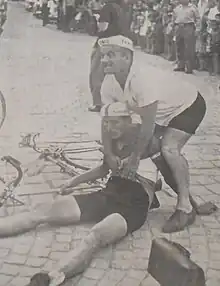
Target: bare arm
[[112, 160], [92, 175], [148, 116]]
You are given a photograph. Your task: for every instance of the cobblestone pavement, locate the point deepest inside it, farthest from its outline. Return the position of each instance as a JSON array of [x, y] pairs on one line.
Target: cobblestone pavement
[[44, 77]]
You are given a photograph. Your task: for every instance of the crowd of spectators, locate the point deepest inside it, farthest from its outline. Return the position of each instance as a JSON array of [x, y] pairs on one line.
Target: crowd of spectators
[[178, 30], [155, 31]]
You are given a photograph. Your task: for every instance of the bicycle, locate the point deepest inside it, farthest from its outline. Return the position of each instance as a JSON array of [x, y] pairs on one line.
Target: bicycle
[[59, 156]]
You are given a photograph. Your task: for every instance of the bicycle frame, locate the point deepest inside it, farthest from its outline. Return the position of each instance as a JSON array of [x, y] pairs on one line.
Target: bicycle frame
[[9, 188]]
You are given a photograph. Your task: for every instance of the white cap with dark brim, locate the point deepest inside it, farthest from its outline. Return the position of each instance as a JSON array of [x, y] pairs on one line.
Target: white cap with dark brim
[[119, 41]]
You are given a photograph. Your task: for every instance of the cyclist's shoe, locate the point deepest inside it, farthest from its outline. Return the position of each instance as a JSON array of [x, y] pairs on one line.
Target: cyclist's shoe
[[179, 220]]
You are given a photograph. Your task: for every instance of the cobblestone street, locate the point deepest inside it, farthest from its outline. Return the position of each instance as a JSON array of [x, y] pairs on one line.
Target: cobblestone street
[[44, 78]]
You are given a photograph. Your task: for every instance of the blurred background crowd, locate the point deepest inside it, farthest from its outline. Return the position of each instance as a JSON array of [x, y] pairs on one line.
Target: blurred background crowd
[[174, 29]]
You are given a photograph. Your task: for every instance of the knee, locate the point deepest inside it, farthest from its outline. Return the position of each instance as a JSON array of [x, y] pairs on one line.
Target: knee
[[110, 229]]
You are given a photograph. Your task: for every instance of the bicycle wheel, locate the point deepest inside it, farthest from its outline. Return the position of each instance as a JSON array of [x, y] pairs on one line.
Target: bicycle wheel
[[2, 109]]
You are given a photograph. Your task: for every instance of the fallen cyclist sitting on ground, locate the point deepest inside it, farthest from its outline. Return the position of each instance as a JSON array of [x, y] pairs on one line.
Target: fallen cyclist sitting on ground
[[160, 98], [120, 208]]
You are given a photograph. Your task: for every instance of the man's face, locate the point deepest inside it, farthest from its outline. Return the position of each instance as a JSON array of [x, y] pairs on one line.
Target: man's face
[[117, 125], [115, 59]]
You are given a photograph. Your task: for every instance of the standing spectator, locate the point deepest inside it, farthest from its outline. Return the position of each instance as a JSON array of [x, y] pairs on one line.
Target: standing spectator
[[112, 22], [59, 14], [159, 35], [144, 29], [213, 38], [137, 21], [168, 34], [68, 15], [201, 42], [187, 26], [202, 6], [45, 12], [151, 33]]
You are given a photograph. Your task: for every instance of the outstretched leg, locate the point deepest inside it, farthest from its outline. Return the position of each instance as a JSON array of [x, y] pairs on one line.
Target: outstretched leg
[[61, 211], [108, 231]]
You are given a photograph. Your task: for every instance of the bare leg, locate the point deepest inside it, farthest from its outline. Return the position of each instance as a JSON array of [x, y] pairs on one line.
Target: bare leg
[[108, 231], [61, 211], [172, 144]]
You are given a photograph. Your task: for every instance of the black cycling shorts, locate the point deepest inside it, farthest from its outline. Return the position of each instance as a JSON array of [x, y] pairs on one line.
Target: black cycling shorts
[[190, 119], [122, 196]]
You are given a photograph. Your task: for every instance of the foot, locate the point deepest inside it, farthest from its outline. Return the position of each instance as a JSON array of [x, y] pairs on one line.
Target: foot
[[95, 108], [179, 69], [179, 221], [40, 279]]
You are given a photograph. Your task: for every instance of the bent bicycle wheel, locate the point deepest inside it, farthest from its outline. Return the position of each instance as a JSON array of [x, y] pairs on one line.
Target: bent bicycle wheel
[[2, 109]]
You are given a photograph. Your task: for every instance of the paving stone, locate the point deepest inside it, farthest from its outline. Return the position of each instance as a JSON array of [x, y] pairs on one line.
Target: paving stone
[[127, 281], [49, 265], [26, 271], [63, 238], [95, 274], [86, 282], [199, 190], [4, 252], [9, 269], [21, 249], [65, 230], [5, 279], [139, 243], [214, 247], [121, 264], [100, 263], [140, 264], [137, 274], [56, 255], [58, 246], [214, 188], [39, 251], [215, 256], [16, 259], [214, 265], [36, 261], [7, 243], [20, 281], [213, 274], [213, 282]]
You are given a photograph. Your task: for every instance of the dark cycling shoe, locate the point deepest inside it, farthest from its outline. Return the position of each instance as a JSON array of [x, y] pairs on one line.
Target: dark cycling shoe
[[40, 279], [179, 221], [155, 204], [95, 108]]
